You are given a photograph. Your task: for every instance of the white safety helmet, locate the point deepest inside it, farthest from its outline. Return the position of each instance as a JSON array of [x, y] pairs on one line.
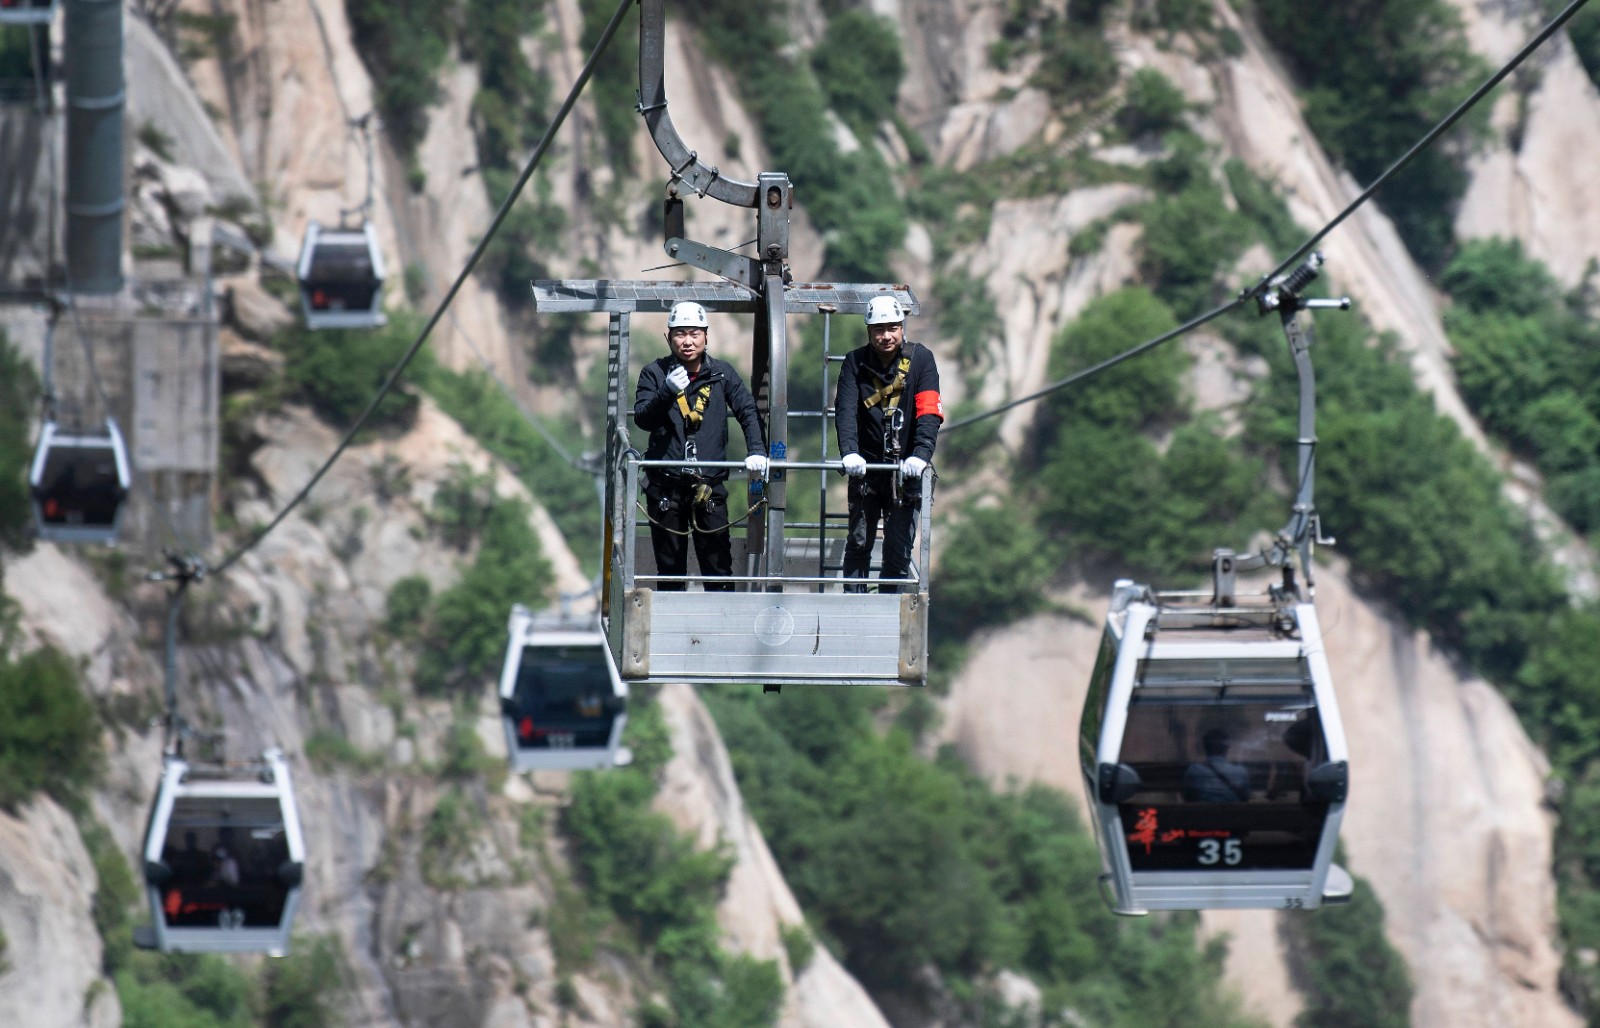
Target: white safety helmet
[[885, 310], [687, 314]]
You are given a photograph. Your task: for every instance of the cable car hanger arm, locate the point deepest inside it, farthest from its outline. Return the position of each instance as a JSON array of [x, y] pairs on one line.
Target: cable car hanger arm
[[1283, 295], [685, 163]]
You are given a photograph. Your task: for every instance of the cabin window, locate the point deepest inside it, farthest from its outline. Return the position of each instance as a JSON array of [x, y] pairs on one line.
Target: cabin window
[[564, 697]]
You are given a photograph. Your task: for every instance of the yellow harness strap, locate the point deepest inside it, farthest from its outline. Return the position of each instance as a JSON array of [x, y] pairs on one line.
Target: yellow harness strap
[[692, 418], [892, 390]]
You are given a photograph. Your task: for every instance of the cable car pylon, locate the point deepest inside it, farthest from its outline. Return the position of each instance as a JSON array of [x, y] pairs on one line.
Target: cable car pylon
[[223, 856], [1212, 751]]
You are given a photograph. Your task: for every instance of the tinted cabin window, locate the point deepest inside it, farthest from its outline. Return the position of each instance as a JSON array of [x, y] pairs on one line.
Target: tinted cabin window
[[1222, 750], [564, 698], [1094, 703], [79, 486], [224, 856], [341, 277]]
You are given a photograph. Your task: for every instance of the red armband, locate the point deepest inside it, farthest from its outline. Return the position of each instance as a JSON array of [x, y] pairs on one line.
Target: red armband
[[928, 402]]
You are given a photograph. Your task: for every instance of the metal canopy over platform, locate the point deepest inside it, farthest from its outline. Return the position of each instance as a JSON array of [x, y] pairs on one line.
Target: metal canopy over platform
[[643, 296]]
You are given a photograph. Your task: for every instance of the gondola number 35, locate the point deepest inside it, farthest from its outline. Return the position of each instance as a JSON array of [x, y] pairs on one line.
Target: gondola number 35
[[1229, 851]]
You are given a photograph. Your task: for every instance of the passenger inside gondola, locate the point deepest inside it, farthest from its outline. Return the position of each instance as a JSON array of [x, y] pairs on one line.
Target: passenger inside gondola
[[226, 875], [341, 277], [79, 486], [563, 698], [1216, 779], [1222, 785]]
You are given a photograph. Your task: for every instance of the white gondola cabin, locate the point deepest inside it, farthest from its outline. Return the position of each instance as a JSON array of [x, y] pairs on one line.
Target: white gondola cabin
[[79, 484], [27, 12], [1213, 756], [224, 858], [563, 705], [341, 277]]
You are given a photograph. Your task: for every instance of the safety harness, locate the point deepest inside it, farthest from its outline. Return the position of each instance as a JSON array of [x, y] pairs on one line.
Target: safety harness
[[889, 395], [890, 391], [692, 418]]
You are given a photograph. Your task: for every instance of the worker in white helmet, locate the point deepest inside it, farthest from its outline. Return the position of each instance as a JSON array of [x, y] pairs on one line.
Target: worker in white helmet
[[887, 411], [684, 400]]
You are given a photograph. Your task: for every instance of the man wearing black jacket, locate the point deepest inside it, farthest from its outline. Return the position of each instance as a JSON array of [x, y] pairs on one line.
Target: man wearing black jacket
[[887, 411], [683, 401]]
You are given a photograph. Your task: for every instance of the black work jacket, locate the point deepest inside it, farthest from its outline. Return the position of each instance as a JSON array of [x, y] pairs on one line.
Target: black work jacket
[[860, 428], [655, 409]]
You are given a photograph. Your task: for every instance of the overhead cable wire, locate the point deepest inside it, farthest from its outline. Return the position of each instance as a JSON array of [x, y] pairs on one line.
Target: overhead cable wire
[[1266, 280], [1109, 362], [1422, 144], [450, 295]]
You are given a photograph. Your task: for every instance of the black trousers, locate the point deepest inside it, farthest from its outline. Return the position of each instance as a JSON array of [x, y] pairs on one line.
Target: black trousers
[[869, 501], [675, 519]]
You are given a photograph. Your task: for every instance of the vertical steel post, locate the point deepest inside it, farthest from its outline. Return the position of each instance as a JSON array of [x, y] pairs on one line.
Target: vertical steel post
[[95, 100], [827, 310], [775, 201]]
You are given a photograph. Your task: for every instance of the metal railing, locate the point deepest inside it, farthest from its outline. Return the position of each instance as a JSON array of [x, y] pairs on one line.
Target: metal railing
[[632, 469]]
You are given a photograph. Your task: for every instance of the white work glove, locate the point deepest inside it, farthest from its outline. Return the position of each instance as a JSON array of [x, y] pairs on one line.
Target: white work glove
[[855, 465], [678, 379], [756, 465], [912, 468]]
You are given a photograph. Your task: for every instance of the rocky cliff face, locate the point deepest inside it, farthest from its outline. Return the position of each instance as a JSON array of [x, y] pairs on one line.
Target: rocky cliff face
[[1447, 816]]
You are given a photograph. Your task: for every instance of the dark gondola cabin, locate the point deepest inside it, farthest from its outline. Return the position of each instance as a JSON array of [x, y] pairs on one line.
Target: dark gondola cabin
[[341, 277], [224, 858], [1213, 756], [27, 12], [79, 484], [563, 705]]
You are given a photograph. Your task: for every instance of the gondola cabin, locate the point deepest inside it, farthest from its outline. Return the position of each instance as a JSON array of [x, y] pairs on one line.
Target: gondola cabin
[[341, 277], [27, 12], [224, 858], [79, 484], [1213, 756], [563, 705]]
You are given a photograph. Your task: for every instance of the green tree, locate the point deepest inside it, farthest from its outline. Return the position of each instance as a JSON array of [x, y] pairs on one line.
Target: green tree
[[301, 990], [859, 65], [1375, 77], [615, 82], [1496, 275], [1346, 968], [19, 392], [1191, 241], [404, 44], [1152, 105], [466, 637], [992, 570], [183, 990], [902, 863], [49, 736], [495, 421], [1132, 393], [339, 371], [850, 197], [511, 93]]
